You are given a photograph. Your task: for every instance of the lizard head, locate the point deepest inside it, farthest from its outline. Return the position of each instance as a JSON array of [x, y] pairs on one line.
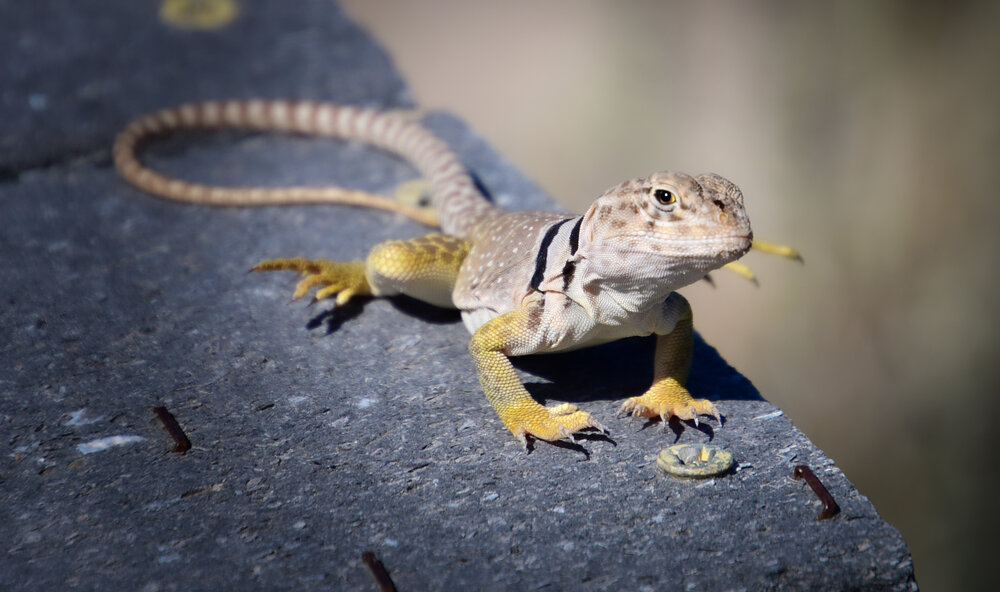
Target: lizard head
[[673, 226]]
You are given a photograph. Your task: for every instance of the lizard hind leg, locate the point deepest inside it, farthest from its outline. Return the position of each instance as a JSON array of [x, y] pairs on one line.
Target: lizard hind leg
[[776, 249], [425, 268]]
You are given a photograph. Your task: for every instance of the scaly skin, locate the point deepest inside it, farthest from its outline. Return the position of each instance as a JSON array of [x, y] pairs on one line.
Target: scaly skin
[[526, 282], [667, 396]]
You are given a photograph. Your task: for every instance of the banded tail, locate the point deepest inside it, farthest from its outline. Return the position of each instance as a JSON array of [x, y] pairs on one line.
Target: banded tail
[[457, 202]]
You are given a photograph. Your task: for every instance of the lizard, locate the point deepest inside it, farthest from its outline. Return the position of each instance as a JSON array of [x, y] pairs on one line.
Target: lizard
[[525, 282]]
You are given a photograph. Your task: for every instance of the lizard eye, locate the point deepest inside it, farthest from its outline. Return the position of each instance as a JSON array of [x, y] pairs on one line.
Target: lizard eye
[[665, 197]]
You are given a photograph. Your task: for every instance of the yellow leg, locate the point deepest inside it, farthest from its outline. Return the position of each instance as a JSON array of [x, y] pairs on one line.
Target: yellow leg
[[667, 397], [425, 267], [776, 249], [741, 270], [522, 415]]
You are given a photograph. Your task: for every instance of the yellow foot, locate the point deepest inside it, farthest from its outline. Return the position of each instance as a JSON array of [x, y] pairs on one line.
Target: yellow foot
[[776, 249], [666, 401], [742, 270], [345, 279], [548, 423]]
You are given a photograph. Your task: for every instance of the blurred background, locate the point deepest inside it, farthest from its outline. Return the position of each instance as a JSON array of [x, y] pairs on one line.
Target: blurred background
[[866, 134]]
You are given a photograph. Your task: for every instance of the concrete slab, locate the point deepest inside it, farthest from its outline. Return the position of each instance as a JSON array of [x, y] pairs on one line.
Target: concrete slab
[[319, 436]]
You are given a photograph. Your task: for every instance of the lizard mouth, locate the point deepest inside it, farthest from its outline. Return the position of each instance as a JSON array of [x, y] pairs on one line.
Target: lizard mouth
[[712, 251], [728, 243], [741, 245]]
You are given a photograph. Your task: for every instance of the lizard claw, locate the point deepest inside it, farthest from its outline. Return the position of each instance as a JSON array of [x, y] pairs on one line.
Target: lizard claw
[[599, 426], [523, 439], [675, 402], [632, 407], [547, 423]]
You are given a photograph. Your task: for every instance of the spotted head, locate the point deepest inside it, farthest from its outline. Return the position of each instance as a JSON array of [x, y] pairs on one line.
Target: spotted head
[[669, 225]]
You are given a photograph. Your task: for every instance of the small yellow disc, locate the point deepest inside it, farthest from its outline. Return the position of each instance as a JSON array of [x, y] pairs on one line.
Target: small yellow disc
[[198, 14], [696, 461]]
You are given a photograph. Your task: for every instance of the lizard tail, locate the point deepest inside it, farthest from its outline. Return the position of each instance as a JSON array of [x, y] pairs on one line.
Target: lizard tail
[[458, 203]]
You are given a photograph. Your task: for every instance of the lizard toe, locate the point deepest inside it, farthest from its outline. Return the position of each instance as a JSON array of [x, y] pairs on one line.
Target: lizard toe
[[548, 423], [666, 405], [341, 279]]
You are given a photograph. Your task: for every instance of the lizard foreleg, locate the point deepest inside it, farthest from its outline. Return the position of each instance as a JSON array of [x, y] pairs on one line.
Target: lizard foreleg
[[490, 347], [667, 397]]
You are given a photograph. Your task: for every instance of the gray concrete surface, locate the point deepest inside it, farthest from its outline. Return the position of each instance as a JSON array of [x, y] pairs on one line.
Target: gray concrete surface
[[319, 436]]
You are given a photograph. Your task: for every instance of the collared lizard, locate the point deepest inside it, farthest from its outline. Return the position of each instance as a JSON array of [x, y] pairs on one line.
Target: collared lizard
[[525, 282]]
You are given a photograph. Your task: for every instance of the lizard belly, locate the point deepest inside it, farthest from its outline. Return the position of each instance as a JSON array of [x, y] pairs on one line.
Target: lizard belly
[[561, 325], [566, 325]]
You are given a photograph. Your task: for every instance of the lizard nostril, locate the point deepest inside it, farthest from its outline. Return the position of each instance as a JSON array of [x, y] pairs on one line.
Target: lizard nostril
[[719, 203]]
